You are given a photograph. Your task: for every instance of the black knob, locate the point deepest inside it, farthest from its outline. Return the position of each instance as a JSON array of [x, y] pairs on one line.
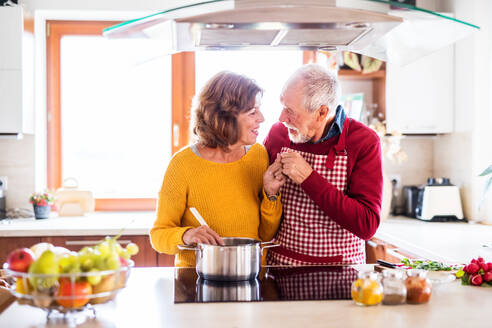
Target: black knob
[[445, 181], [431, 181]]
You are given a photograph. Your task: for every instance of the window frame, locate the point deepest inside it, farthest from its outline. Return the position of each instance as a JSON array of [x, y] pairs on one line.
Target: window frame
[[183, 90]]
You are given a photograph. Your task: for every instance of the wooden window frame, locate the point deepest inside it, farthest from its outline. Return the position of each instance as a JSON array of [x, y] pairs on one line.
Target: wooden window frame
[[183, 89]]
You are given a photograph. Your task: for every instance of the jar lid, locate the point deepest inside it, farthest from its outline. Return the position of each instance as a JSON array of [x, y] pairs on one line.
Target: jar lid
[[393, 273], [417, 273], [368, 275]]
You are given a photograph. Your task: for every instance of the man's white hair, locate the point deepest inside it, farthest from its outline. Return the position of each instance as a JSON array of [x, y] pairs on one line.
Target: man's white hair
[[319, 87]]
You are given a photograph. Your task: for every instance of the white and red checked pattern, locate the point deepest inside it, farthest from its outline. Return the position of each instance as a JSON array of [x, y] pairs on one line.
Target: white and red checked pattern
[[315, 285], [306, 229]]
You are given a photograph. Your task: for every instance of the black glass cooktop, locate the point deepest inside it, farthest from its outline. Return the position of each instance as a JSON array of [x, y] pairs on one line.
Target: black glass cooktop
[[273, 284]]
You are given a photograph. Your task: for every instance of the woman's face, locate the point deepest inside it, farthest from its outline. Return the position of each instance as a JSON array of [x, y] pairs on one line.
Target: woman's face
[[249, 123]]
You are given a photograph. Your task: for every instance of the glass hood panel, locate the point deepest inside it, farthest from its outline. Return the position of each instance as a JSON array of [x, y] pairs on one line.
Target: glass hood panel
[[387, 30]]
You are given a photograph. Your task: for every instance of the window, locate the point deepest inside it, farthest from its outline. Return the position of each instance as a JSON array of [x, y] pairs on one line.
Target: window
[[110, 114]]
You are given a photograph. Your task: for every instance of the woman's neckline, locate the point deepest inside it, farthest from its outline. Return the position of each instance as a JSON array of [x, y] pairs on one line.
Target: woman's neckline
[[195, 149]]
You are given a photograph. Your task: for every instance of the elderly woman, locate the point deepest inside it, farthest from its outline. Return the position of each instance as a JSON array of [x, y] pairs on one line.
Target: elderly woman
[[225, 175]]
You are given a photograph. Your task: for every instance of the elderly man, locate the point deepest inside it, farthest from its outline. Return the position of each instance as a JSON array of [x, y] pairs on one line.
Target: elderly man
[[332, 197]]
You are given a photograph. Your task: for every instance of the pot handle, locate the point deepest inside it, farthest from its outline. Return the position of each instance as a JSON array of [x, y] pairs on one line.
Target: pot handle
[[268, 244], [188, 248]]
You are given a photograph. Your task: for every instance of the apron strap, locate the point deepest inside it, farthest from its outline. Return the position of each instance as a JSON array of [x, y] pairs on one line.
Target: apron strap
[[339, 148]]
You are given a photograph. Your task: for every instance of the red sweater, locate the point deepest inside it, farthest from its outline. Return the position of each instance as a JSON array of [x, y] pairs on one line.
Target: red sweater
[[358, 209]]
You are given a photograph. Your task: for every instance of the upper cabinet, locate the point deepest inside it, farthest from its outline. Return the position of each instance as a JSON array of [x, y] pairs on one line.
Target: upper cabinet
[[16, 72], [420, 95]]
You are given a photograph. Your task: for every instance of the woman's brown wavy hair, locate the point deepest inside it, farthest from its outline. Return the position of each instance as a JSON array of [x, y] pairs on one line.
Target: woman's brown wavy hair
[[217, 106]]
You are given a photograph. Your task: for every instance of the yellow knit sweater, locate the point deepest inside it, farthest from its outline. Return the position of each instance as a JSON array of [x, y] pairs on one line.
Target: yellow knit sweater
[[227, 195]]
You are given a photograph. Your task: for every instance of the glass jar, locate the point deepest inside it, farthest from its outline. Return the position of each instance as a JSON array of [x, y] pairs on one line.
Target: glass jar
[[419, 288], [394, 289], [367, 289]]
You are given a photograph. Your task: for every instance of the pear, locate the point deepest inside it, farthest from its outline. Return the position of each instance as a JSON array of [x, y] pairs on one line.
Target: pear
[[47, 263]]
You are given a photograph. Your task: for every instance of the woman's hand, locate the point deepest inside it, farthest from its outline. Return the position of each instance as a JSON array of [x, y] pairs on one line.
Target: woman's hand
[[273, 178], [202, 234]]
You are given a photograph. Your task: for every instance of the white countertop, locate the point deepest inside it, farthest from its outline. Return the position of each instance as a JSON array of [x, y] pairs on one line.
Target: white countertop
[[450, 242], [147, 301], [98, 223]]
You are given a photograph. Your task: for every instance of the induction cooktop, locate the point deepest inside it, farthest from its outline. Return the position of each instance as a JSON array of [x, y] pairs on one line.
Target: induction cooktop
[[273, 284]]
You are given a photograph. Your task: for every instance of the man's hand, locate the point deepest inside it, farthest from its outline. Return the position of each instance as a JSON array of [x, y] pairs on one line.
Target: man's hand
[[202, 234], [273, 178], [295, 166]]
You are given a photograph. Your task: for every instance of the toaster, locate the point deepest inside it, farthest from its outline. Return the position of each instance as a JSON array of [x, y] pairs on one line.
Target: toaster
[[439, 200]]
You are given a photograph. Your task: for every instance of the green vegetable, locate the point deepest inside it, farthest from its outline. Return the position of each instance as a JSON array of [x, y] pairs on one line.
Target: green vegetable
[[426, 265]]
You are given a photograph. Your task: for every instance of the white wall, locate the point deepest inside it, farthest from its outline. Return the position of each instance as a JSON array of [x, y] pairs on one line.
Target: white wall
[[465, 154]]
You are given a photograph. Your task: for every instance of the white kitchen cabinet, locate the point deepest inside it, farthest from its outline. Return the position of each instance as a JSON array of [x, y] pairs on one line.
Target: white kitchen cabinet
[[420, 95], [16, 72]]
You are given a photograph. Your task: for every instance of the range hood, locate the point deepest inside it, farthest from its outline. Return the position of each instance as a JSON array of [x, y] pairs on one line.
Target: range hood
[[370, 27]]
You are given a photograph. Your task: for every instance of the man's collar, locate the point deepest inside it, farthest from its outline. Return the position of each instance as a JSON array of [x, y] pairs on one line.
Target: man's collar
[[336, 127]]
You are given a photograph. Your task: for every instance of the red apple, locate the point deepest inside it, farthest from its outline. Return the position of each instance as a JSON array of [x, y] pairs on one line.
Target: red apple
[[20, 259]]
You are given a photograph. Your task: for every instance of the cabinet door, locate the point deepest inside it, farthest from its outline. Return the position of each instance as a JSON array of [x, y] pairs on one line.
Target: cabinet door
[[165, 260], [8, 244], [146, 256], [10, 100], [420, 95], [11, 28]]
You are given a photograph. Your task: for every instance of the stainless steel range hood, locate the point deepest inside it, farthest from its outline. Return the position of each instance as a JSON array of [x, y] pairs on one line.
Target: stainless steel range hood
[[367, 27]]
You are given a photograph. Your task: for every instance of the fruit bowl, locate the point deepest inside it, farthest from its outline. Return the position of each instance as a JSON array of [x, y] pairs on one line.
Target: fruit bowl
[[67, 292]]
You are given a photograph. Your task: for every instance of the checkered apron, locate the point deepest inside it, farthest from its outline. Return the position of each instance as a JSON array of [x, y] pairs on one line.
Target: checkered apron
[[307, 235], [314, 283]]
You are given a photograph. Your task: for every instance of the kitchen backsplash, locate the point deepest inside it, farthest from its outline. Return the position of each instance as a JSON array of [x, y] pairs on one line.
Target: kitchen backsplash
[[416, 169], [17, 163]]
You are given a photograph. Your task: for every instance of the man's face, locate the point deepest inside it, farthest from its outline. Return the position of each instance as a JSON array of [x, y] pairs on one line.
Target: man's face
[[300, 123]]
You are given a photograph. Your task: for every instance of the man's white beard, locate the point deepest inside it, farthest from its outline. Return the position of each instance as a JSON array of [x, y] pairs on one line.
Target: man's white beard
[[298, 138]]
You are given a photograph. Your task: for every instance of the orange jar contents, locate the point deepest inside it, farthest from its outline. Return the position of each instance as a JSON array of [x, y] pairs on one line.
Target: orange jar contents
[[419, 288], [367, 289]]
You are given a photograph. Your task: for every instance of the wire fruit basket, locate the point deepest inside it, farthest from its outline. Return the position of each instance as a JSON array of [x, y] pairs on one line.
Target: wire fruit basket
[[67, 293]]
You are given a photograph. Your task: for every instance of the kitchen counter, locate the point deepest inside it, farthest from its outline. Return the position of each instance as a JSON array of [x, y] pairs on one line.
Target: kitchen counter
[[98, 223], [450, 242], [440, 241], [148, 300]]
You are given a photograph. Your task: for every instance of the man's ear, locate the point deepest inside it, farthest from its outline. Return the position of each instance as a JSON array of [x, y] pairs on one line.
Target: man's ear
[[323, 112]]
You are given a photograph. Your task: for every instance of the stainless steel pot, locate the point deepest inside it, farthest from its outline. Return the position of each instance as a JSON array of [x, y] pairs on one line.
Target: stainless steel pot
[[227, 291], [239, 259]]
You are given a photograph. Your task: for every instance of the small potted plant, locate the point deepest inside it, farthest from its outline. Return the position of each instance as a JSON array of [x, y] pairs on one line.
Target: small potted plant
[[42, 203]]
